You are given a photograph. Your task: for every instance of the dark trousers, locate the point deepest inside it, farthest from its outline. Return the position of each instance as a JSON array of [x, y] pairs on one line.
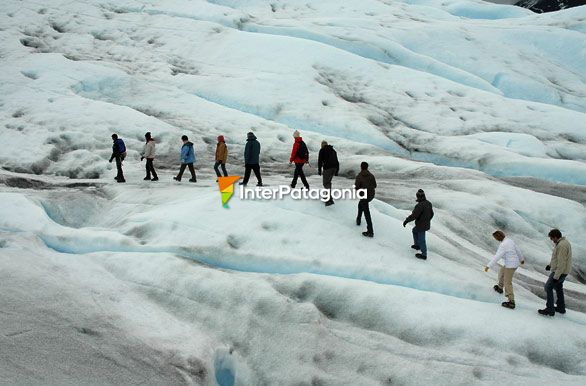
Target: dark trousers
[[182, 169], [419, 240], [297, 174], [150, 168], [328, 175], [251, 167], [119, 159], [364, 208], [217, 169], [558, 286]]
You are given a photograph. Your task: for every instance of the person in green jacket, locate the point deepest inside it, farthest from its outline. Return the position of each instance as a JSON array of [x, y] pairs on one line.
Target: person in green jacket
[[560, 266]]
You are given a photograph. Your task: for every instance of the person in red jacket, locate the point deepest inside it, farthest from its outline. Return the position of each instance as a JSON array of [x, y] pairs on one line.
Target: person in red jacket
[[299, 156]]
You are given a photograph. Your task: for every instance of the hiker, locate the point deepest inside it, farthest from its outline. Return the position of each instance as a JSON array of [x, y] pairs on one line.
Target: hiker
[[422, 215], [221, 156], [512, 257], [251, 159], [328, 160], [299, 156], [365, 180], [149, 153], [560, 266], [187, 159], [118, 153]]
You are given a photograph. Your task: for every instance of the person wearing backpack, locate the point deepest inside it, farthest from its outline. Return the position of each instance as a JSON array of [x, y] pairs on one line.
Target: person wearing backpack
[[187, 160], [328, 161], [251, 159], [149, 153], [299, 156], [422, 215], [221, 156], [365, 180], [118, 153]]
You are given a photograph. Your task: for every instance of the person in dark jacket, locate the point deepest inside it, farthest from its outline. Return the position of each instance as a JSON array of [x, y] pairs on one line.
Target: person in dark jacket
[[118, 153], [149, 153], [365, 180], [328, 161], [422, 215], [251, 159], [221, 156], [299, 156], [187, 159]]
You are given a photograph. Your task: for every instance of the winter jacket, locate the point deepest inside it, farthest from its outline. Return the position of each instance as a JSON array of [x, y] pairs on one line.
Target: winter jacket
[[118, 149], [294, 157], [365, 180], [187, 153], [561, 258], [149, 149], [509, 252], [328, 159], [252, 150], [222, 152], [422, 214]]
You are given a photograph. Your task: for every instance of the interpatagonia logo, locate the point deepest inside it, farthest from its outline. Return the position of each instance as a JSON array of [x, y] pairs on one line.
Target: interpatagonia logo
[[226, 185], [282, 191]]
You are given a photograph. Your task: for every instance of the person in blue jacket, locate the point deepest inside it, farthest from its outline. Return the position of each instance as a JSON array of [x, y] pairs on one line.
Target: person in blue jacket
[[118, 153], [187, 159]]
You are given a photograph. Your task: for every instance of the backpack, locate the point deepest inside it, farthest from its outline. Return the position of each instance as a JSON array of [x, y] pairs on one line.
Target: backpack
[[333, 158], [302, 151], [121, 146]]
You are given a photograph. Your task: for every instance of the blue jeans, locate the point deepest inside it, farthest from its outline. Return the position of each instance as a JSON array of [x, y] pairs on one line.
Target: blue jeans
[[364, 208], [419, 240], [558, 285]]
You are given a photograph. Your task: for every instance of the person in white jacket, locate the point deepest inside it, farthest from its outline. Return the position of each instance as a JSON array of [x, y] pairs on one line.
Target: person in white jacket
[[512, 258], [149, 153]]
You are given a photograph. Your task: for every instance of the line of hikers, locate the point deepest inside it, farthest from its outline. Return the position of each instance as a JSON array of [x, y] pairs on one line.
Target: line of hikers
[[187, 158], [328, 167]]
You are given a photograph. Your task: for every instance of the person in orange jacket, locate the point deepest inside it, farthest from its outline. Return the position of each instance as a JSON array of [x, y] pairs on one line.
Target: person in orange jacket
[[221, 156]]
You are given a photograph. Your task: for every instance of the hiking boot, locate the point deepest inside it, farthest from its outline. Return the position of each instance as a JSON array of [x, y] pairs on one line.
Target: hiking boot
[[177, 179], [498, 289], [328, 203], [121, 181], [241, 184], [416, 247], [421, 256], [192, 180], [146, 179], [367, 234], [510, 305], [155, 179], [259, 184], [560, 310], [546, 312]]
